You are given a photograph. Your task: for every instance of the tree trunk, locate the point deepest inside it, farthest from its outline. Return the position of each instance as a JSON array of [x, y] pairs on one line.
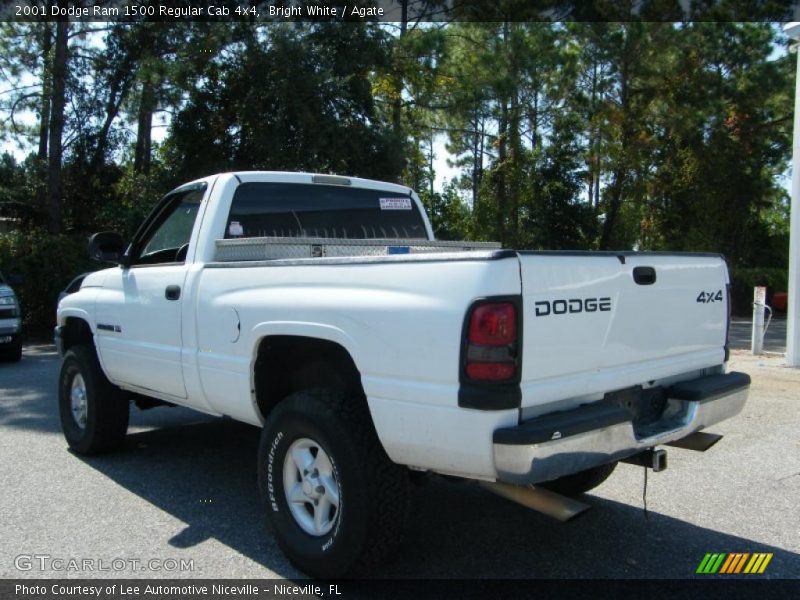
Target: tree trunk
[[397, 101], [477, 148], [119, 87], [515, 145], [513, 172], [142, 153], [57, 127], [44, 119], [620, 173], [44, 106], [481, 150], [500, 179], [612, 207], [596, 199], [501, 189], [431, 174], [593, 149]]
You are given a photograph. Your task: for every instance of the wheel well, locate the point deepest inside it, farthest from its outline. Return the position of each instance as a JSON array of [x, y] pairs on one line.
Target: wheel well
[[76, 331], [287, 364]]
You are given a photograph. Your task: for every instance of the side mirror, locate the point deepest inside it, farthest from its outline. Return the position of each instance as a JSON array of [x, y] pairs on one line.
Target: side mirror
[[107, 247]]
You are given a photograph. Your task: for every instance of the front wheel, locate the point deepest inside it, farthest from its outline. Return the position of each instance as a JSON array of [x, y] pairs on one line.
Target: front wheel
[[334, 499], [94, 412]]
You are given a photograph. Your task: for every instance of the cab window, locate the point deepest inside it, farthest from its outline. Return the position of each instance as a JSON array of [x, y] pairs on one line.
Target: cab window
[[322, 211], [166, 239]]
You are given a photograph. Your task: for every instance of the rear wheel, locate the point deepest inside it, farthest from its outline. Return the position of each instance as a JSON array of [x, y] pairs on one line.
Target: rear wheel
[[94, 412], [580, 482], [334, 499]]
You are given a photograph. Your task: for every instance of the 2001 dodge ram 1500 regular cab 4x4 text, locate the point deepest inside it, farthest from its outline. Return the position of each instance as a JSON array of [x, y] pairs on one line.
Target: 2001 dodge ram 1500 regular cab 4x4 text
[[320, 308]]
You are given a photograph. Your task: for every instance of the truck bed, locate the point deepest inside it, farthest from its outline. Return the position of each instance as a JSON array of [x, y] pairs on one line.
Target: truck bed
[[591, 323]]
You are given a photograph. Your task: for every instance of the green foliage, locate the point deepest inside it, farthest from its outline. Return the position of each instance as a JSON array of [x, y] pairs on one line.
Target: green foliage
[[552, 214], [576, 135], [18, 185], [744, 280], [134, 196], [623, 135], [721, 143], [47, 263], [299, 99], [449, 215], [11, 178]]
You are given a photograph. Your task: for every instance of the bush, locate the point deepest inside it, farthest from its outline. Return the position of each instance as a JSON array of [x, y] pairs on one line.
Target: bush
[[744, 280], [47, 263]]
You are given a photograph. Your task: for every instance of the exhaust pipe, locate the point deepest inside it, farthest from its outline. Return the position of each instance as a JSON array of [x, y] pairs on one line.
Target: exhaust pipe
[[699, 441], [539, 499]]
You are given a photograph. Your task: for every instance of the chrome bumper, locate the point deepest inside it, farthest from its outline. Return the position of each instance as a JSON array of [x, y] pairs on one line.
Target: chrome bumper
[[559, 444]]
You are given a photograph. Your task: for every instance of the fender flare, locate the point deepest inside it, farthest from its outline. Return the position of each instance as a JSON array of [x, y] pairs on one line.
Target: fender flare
[[299, 329]]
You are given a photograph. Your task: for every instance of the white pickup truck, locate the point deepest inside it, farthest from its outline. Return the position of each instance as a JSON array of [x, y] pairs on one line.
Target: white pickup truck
[[321, 309]]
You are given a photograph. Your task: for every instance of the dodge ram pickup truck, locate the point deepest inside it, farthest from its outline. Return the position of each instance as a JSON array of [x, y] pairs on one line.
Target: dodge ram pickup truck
[[321, 309]]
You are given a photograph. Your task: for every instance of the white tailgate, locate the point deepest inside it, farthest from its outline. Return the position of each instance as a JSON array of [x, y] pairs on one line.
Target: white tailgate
[[644, 333]]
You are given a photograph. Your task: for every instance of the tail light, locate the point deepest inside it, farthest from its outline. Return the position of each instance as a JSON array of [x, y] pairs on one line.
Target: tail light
[[491, 345]]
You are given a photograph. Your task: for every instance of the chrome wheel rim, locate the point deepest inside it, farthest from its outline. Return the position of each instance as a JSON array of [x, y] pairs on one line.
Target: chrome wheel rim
[[310, 486], [77, 398]]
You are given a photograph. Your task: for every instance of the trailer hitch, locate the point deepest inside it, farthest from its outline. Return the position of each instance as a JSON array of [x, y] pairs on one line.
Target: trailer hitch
[[650, 459]]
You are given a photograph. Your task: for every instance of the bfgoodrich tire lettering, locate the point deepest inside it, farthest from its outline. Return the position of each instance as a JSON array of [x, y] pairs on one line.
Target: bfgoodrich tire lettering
[[373, 492], [104, 410]]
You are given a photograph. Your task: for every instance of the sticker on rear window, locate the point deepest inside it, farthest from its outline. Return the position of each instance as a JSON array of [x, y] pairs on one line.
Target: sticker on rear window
[[235, 228], [395, 203]]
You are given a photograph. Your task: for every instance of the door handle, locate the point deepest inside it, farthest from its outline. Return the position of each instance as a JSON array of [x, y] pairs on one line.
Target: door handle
[[173, 292], [644, 275]]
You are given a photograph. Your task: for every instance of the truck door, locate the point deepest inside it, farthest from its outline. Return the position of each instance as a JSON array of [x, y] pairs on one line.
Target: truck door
[[139, 308]]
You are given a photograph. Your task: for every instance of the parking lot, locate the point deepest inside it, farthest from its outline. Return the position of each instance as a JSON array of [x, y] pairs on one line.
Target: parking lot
[[184, 489], [741, 334]]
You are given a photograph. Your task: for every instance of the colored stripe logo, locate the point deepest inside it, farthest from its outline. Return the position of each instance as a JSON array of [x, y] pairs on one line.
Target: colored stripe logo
[[731, 563]]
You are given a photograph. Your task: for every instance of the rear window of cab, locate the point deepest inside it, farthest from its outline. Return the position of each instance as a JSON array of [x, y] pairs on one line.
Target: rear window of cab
[[322, 211]]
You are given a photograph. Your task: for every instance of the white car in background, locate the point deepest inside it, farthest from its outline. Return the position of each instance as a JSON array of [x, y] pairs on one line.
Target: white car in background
[[10, 322]]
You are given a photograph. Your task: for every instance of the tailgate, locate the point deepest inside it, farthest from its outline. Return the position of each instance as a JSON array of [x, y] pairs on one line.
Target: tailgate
[[596, 322]]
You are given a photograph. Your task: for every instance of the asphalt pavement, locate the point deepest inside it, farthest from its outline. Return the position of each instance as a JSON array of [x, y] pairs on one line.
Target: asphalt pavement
[[741, 334], [184, 489]]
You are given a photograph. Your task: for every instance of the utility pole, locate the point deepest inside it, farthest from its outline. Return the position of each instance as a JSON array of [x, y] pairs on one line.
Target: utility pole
[[793, 307]]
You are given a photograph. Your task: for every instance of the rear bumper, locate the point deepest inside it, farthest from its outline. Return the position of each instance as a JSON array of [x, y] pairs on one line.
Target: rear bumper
[[558, 444]]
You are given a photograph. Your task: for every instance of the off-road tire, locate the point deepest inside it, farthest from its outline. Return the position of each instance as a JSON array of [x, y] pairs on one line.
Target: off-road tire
[[108, 407], [580, 482], [373, 491]]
